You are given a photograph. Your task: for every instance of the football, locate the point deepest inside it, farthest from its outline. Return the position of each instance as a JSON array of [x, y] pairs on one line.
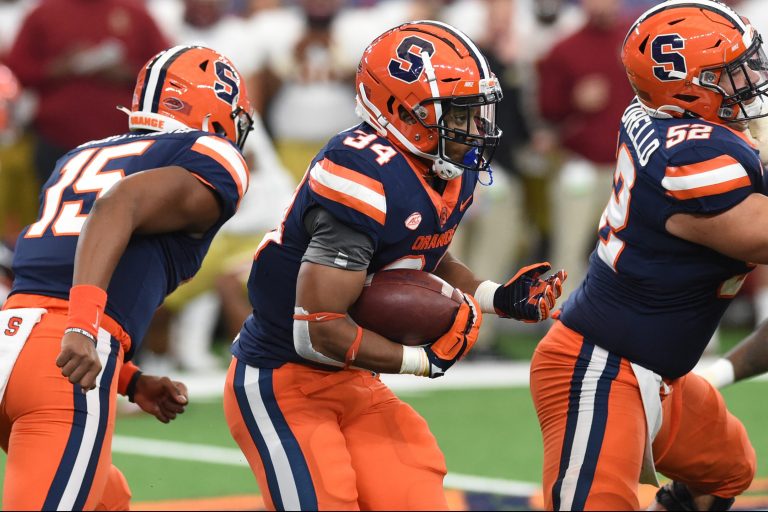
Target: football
[[407, 306]]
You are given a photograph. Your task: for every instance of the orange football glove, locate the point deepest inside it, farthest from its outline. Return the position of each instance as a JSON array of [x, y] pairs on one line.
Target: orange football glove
[[526, 296], [460, 338]]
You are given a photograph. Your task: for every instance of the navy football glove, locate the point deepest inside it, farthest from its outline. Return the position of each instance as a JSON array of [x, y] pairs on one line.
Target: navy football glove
[[528, 298]]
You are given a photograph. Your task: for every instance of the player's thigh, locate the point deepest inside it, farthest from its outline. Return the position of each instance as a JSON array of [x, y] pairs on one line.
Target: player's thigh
[[60, 439], [592, 422], [398, 464], [701, 443], [293, 442]]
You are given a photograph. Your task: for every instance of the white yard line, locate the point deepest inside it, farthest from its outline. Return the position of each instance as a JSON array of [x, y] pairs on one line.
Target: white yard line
[[462, 376], [465, 375], [233, 457]]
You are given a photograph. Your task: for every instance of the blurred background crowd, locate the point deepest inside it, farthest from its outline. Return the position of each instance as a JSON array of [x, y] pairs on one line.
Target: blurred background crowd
[[66, 64]]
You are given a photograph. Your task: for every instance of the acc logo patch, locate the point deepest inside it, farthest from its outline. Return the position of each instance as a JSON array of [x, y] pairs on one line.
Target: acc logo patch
[[413, 221], [173, 103]]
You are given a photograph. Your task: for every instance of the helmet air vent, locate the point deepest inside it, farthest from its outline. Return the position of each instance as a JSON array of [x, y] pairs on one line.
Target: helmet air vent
[[675, 22], [390, 102], [688, 98], [644, 44], [204, 65], [718, 43]]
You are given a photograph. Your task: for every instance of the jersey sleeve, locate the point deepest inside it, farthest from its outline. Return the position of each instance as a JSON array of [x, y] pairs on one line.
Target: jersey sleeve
[[219, 165], [707, 179], [348, 186]]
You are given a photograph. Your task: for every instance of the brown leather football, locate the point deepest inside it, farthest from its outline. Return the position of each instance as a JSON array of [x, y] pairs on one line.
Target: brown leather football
[[407, 306]]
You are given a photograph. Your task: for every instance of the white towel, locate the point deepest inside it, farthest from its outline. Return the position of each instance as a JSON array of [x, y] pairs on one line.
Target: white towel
[[15, 327]]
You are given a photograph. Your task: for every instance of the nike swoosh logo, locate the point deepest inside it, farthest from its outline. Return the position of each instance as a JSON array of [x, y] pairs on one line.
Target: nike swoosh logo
[[321, 318], [463, 205]]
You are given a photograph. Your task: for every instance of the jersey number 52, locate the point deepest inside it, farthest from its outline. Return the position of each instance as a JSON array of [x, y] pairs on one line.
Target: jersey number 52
[[616, 214]]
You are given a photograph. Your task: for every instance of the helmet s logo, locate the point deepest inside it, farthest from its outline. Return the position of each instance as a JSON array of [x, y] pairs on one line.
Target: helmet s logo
[[408, 65], [673, 66], [226, 87]]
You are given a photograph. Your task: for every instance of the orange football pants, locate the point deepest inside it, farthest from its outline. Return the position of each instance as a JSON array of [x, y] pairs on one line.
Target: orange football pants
[[58, 440], [594, 429], [319, 440]]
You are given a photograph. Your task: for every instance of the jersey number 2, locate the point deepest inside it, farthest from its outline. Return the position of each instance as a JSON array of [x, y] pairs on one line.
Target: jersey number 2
[[67, 216], [616, 214]]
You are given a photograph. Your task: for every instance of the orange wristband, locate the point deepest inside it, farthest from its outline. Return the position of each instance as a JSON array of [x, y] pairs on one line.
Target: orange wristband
[[351, 354], [86, 308], [128, 375]]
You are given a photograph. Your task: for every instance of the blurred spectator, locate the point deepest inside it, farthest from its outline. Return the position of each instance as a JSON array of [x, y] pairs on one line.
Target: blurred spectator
[[18, 186], [81, 69], [307, 79], [537, 25], [183, 331], [583, 91], [6, 276], [12, 13], [211, 23]]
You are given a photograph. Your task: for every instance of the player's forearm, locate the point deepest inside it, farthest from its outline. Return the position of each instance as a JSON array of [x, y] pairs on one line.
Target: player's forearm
[[750, 357], [374, 352], [457, 274]]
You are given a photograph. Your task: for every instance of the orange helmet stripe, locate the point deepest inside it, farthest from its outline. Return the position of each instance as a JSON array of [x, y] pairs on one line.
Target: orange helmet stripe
[[155, 77], [474, 51]]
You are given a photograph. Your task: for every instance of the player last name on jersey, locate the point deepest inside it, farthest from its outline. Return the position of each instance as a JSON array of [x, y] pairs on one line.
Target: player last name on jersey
[[638, 125]]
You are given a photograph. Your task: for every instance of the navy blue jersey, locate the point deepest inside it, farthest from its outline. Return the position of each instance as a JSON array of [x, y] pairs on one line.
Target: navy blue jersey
[[152, 265], [649, 296], [364, 182]]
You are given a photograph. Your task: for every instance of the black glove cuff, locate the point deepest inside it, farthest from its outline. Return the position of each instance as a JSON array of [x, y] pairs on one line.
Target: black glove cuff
[[130, 390]]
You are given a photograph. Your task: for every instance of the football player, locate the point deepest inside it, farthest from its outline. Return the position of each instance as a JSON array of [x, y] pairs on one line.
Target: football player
[[302, 398], [611, 380], [122, 222]]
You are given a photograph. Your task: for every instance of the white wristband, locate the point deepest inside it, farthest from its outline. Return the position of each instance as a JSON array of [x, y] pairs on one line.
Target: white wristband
[[484, 296], [720, 373], [415, 361]]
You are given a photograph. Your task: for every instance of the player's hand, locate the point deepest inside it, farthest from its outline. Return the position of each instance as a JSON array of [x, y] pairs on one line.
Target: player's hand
[[458, 341], [160, 397], [526, 296], [79, 361]]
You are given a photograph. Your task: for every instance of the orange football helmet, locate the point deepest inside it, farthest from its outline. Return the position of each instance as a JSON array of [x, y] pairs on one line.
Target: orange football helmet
[[697, 58], [411, 76], [191, 87]]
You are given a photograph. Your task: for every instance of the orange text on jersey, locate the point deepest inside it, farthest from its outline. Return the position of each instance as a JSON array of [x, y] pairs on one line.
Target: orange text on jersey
[[433, 241]]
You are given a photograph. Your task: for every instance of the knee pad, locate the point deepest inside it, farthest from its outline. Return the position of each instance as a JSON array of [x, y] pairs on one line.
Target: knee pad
[[676, 496]]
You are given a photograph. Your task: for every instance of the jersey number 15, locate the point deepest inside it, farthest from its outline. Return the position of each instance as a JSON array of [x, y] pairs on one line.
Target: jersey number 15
[[84, 172]]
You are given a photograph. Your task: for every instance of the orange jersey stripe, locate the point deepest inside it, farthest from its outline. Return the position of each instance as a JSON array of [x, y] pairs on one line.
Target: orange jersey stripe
[[700, 167], [347, 200], [344, 172], [711, 190], [224, 163]]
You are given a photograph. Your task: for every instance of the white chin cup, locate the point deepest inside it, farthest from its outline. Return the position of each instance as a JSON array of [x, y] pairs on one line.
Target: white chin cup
[[756, 108], [446, 170]]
